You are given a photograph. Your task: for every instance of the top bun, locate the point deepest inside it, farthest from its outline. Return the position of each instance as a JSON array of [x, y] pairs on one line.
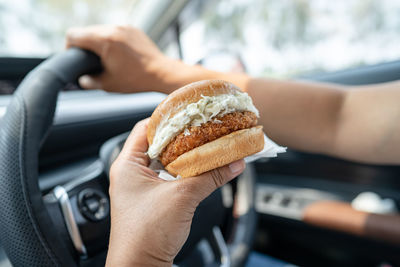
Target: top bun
[[184, 96]]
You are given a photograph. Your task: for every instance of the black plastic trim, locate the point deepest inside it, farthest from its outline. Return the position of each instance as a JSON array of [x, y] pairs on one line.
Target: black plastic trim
[[379, 73]]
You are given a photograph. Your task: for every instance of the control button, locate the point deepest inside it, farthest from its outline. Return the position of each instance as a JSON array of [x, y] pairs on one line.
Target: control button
[[93, 204], [286, 201], [267, 198]]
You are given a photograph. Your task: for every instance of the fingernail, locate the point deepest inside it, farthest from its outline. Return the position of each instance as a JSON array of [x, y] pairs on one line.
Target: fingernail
[[236, 166]]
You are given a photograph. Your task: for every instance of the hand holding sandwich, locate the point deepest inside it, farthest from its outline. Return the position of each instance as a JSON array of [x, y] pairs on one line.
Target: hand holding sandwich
[[147, 228]]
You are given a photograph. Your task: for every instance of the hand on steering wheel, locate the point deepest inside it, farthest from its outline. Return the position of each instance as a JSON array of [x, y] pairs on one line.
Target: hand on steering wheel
[[150, 217], [131, 61]]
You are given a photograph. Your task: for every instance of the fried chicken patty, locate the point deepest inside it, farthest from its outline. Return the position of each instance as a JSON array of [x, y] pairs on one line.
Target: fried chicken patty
[[196, 136]]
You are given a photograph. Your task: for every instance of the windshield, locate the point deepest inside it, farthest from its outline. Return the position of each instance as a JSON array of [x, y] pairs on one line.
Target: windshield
[[36, 28]]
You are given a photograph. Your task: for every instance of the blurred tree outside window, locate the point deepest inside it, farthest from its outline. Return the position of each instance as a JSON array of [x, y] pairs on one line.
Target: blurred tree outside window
[[271, 38], [292, 37], [36, 28]]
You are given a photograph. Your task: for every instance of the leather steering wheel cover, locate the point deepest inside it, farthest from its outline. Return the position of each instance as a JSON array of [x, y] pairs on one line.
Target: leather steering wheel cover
[[27, 232]]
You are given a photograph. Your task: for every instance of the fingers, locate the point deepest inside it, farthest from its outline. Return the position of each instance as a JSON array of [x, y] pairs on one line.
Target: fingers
[[91, 82], [203, 185], [136, 144], [87, 38], [133, 161], [90, 38]]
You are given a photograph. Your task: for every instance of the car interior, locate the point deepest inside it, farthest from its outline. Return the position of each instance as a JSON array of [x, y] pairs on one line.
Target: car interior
[[57, 143]]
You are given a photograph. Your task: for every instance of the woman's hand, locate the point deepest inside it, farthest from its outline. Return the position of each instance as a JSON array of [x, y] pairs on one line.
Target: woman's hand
[[131, 61], [150, 217]]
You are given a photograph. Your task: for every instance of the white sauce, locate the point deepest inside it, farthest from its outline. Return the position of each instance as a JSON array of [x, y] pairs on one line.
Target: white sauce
[[196, 114], [186, 132]]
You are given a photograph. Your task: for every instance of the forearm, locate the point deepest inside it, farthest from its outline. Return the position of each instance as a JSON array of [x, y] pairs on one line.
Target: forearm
[[359, 123], [369, 124], [300, 115], [179, 74]]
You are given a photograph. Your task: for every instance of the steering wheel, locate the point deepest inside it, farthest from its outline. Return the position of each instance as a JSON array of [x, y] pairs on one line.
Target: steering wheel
[[69, 226]]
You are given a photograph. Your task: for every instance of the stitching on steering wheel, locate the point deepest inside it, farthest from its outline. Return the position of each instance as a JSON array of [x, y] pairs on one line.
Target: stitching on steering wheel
[[29, 205]]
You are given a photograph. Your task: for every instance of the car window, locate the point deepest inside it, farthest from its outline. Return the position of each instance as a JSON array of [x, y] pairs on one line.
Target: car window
[[289, 38], [36, 28]]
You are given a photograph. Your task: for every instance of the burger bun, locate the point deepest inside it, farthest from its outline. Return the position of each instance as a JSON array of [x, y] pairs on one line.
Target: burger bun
[[217, 153]]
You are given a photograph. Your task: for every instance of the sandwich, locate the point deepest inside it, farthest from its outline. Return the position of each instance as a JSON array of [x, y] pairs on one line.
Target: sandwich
[[203, 126]]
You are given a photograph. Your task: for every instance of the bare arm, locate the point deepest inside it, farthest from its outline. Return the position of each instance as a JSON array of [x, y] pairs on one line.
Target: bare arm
[[357, 123], [368, 128]]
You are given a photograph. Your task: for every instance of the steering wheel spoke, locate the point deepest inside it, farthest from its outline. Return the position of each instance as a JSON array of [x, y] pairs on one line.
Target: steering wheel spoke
[[85, 209]]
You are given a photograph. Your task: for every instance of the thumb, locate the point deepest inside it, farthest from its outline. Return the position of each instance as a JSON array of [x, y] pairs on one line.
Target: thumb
[[91, 82], [206, 183]]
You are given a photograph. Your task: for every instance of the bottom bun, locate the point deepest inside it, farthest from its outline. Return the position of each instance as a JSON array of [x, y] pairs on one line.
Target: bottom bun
[[219, 152]]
